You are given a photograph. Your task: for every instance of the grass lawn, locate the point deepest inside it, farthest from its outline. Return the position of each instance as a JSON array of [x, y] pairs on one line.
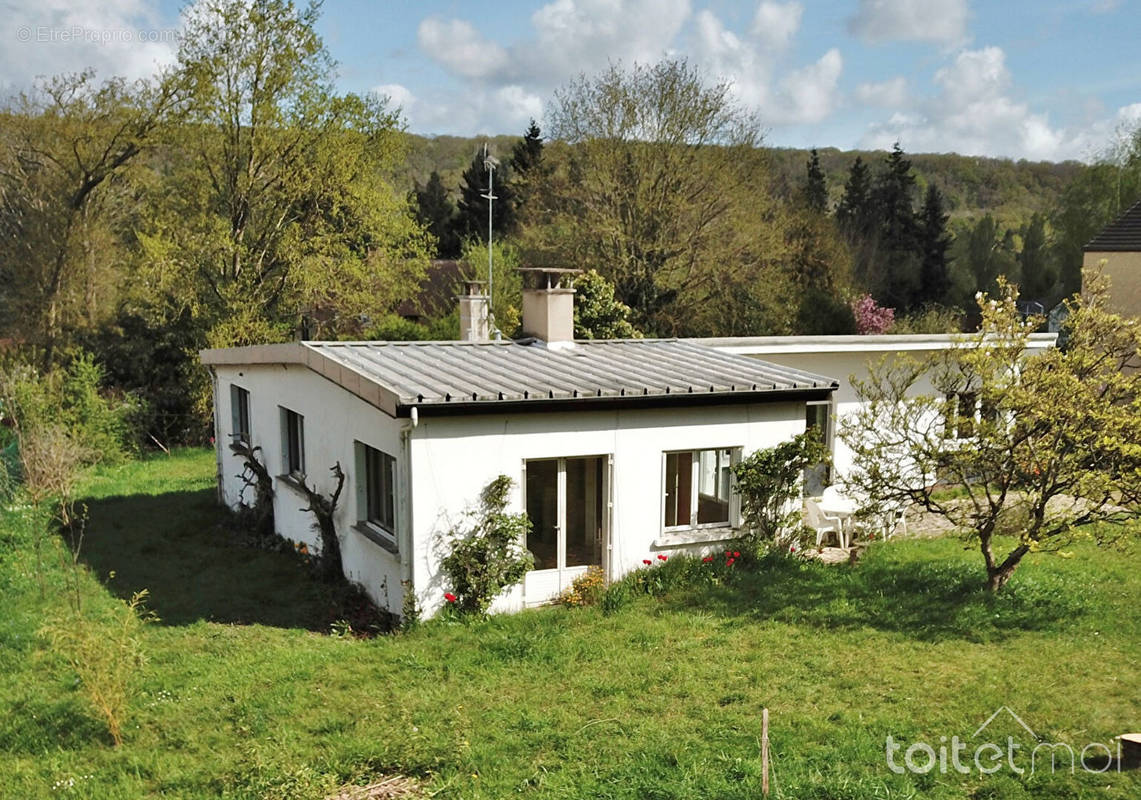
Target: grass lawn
[[244, 696]]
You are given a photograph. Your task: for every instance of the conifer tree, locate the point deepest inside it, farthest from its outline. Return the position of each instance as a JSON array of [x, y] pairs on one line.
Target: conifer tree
[[854, 211], [935, 244], [1039, 272], [815, 187], [437, 213], [473, 204]]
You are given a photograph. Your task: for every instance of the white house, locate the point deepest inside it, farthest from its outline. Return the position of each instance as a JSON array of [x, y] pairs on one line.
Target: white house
[[620, 450], [854, 356]]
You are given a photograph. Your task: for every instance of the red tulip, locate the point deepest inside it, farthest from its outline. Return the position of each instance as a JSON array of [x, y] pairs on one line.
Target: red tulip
[[730, 562], [662, 557], [647, 561], [708, 559], [736, 555], [451, 598]]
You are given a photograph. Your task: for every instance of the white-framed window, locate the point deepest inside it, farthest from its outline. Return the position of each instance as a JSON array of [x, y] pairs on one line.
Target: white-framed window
[[240, 415], [292, 442], [376, 488], [818, 416], [697, 490]]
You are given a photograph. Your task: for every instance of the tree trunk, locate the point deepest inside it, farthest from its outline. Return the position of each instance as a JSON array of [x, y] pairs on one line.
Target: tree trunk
[[998, 575]]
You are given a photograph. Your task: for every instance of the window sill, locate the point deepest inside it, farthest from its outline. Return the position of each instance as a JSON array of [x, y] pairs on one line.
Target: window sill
[[292, 482], [720, 533], [377, 536]]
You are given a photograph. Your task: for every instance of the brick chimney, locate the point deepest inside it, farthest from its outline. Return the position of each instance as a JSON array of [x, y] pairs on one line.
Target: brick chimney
[[475, 318], [548, 304]]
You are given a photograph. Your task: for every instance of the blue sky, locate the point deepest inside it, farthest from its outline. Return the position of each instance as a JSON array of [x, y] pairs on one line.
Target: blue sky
[[1051, 79]]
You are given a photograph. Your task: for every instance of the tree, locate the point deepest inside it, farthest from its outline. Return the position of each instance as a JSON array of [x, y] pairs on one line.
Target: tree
[[274, 203], [658, 185], [854, 213], [985, 252], [527, 154], [437, 214], [1042, 450], [815, 187], [65, 148], [597, 314], [473, 204], [894, 274], [1092, 200], [1038, 271], [769, 481], [935, 279]]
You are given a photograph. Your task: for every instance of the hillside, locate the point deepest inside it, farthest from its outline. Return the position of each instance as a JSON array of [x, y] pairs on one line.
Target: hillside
[[1010, 190]]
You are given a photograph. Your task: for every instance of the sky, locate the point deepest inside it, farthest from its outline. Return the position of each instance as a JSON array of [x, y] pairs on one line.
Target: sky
[[1034, 79]]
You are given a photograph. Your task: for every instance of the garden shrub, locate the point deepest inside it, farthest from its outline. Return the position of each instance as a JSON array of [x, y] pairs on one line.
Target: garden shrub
[[485, 555], [106, 654], [586, 589], [769, 482], [663, 575]]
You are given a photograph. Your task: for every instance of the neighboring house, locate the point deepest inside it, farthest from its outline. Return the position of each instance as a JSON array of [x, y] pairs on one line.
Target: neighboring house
[[620, 450], [854, 356], [1119, 246]]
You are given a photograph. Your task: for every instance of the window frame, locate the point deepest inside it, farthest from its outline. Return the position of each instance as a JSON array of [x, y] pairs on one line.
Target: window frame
[[373, 464], [241, 429], [693, 526], [829, 441], [292, 424]]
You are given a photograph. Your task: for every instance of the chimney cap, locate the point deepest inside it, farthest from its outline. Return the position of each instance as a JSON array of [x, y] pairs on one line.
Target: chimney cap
[[473, 288], [538, 278]]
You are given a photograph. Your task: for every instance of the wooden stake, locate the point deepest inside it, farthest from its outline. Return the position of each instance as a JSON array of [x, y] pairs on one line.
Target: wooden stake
[[765, 752]]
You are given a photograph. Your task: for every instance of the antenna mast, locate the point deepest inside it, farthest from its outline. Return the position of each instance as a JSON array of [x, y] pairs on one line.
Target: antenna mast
[[490, 162]]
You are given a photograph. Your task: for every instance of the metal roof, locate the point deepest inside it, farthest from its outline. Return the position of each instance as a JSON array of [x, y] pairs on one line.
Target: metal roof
[[447, 377], [1121, 235]]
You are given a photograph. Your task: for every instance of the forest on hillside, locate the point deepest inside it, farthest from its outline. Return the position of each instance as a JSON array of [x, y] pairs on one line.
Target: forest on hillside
[[239, 198]]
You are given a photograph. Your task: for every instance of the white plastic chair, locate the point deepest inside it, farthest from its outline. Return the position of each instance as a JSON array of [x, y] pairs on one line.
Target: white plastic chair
[[820, 522]]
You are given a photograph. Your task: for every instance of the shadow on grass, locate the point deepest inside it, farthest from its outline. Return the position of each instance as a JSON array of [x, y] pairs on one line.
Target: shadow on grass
[[929, 600], [177, 546]]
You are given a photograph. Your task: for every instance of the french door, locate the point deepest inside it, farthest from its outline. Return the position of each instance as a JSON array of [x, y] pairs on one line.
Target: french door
[[568, 503]]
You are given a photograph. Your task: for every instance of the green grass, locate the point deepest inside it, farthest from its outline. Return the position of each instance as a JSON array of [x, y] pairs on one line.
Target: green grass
[[243, 697]]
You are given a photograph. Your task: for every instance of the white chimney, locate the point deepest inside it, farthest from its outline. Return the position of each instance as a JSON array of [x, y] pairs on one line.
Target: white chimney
[[548, 304], [475, 317]]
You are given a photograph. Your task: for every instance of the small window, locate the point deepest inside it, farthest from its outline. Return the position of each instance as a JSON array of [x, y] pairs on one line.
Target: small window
[[379, 506], [960, 415], [818, 416], [293, 442], [239, 415], [697, 488]]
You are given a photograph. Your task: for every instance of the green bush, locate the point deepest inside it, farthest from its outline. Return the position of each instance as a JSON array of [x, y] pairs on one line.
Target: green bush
[[769, 482], [71, 399], [485, 557], [663, 574]]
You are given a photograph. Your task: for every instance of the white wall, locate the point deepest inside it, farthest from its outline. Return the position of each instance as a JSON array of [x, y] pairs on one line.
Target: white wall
[[454, 457], [842, 366], [334, 420]]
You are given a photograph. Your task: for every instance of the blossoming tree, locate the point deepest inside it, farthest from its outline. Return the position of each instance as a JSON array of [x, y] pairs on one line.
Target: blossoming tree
[[1041, 450]]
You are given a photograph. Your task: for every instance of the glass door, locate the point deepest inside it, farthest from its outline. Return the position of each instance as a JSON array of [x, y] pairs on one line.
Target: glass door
[[568, 503]]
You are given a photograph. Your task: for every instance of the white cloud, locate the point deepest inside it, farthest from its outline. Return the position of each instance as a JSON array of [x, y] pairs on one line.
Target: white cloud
[[398, 96], [727, 56], [114, 37], [973, 112], [775, 24], [460, 47], [809, 94], [911, 20], [1104, 6], [887, 94]]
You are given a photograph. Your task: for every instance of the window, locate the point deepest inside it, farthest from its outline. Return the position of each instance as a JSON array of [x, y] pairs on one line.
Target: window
[[818, 416], [697, 488], [379, 500], [960, 415], [239, 415], [293, 442]]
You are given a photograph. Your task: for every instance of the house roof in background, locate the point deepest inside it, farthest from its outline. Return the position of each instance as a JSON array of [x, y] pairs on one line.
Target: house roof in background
[[456, 377], [1121, 235], [868, 343]]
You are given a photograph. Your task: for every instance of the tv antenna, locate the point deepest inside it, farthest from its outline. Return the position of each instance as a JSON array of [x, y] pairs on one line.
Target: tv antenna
[[490, 162]]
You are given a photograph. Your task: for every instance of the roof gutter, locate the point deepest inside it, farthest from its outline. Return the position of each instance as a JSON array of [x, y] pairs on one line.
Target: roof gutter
[[686, 400]]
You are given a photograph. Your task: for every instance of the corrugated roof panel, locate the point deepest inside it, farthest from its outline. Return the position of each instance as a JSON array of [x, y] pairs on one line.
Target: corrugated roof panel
[[430, 373]]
